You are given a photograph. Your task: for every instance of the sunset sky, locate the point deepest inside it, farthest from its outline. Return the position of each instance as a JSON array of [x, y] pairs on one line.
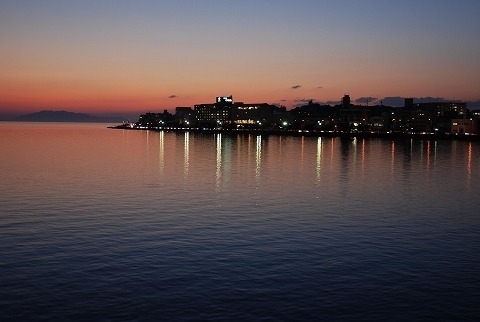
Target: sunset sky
[[128, 56]]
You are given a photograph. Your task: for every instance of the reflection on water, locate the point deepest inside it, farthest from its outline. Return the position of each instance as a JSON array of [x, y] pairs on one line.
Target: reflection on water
[[349, 160], [161, 152], [258, 156], [186, 155], [319, 159], [190, 226], [219, 162]]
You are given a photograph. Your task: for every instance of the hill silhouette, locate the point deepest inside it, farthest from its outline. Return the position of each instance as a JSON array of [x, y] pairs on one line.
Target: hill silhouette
[[64, 116]]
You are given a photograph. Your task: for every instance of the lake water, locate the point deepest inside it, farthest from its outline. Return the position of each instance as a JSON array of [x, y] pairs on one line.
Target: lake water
[[103, 224]]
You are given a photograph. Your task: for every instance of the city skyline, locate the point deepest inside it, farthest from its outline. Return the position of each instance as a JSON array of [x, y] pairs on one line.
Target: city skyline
[[114, 57]]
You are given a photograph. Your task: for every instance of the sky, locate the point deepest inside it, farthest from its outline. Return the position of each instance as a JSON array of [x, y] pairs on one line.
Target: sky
[[124, 56]]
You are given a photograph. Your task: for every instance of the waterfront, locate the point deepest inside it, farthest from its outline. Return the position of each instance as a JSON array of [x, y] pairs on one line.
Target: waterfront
[[104, 224]]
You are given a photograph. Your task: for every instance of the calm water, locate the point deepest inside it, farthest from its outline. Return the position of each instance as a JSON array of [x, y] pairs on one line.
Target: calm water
[[101, 224]]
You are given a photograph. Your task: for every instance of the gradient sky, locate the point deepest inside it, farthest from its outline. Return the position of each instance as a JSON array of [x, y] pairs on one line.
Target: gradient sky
[[118, 56]]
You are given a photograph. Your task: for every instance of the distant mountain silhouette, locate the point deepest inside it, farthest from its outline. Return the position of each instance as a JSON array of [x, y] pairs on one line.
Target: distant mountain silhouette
[[64, 116]]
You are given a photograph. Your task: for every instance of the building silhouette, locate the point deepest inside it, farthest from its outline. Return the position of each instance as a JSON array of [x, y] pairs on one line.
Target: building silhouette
[[226, 113]]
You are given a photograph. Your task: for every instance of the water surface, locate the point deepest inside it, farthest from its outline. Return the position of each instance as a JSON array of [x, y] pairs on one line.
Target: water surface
[[102, 224]]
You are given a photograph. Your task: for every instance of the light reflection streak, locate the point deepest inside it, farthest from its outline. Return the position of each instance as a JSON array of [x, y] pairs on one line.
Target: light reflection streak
[[411, 149], [258, 156], [303, 148], [280, 145], [218, 174], [186, 155], [319, 159], [161, 151], [421, 151], [148, 143], [354, 144], [332, 152]]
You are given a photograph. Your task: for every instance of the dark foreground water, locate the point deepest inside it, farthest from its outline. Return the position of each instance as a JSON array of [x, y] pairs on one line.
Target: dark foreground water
[[100, 224]]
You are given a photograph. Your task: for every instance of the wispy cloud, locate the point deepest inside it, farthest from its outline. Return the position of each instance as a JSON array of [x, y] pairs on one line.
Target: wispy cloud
[[296, 86], [303, 100]]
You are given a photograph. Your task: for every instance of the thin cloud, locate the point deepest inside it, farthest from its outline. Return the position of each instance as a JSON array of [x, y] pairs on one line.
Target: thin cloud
[[304, 100], [296, 86]]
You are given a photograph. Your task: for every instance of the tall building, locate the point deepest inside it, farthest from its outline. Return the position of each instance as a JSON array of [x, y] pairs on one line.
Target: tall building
[[346, 101], [351, 114], [215, 114], [212, 114], [226, 112], [409, 102]]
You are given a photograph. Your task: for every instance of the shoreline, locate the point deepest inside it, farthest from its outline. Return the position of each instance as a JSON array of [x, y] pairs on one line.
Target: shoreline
[[351, 135]]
